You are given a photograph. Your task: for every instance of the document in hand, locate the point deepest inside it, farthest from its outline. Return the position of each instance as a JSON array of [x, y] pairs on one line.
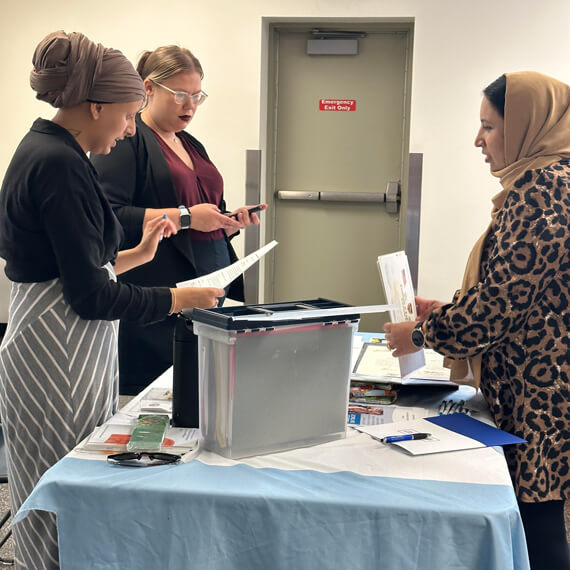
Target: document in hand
[[453, 432], [223, 277], [397, 282]]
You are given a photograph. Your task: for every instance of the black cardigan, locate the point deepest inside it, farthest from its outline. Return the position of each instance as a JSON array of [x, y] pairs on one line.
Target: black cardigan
[[135, 176], [57, 223]]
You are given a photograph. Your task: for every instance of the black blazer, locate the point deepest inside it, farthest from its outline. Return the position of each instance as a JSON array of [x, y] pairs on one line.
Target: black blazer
[[135, 176]]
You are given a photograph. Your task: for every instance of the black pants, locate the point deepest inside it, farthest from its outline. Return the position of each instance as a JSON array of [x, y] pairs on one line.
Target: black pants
[[546, 535]]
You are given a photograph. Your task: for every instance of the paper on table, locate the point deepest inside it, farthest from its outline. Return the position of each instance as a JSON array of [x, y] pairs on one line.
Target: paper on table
[[371, 415], [115, 437], [439, 441], [448, 433], [397, 282], [223, 277]]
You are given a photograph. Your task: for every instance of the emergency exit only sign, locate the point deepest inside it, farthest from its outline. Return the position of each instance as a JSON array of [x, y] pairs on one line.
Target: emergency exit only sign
[[337, 104]]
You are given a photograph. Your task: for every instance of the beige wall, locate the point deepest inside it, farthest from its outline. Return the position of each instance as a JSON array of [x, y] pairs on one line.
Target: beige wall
[[460, 46]]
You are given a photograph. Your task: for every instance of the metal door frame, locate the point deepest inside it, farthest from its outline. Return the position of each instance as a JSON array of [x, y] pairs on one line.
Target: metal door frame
[[261, 289]]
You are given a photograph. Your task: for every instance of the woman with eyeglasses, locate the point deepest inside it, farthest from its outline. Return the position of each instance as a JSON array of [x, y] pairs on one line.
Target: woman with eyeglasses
[[163, 170]]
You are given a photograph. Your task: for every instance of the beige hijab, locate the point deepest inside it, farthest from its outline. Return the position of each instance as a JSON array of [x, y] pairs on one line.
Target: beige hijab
[[537, 134], [70, 69]]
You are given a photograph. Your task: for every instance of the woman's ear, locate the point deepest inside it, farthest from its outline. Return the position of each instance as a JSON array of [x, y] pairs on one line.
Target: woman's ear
[[149, 87], [95, 110]]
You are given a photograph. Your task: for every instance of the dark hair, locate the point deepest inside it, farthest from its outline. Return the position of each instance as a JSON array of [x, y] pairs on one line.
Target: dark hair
[[495, 93], [166, 61]]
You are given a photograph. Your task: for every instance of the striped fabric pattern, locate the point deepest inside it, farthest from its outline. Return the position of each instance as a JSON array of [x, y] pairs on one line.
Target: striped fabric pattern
[[58, 381]]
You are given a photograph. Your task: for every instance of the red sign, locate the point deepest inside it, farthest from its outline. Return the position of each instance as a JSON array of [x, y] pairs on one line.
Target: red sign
[[337, 104]]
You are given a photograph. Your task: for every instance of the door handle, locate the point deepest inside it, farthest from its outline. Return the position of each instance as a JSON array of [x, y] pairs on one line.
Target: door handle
[[296, 195], [392, 196]]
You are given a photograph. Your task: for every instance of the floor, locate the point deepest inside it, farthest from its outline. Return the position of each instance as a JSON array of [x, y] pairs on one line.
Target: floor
[[7, 551]]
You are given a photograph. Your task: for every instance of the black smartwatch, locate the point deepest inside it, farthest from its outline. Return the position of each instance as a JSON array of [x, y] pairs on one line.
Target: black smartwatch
[[418, 337], [185, 217]]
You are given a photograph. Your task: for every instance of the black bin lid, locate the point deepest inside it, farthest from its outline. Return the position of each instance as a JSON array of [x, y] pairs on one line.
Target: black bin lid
[[224, 317]]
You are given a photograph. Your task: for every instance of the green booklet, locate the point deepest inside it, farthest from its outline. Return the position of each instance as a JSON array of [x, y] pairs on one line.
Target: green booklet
[[148, 433]]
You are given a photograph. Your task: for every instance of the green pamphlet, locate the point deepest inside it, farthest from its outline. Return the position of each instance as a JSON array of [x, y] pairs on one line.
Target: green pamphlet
[[148, 433]]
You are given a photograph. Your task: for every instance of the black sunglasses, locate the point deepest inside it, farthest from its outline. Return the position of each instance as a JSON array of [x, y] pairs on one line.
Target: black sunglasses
[[143, 458]]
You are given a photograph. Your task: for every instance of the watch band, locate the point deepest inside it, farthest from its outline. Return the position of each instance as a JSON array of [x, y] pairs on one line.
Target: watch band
[[185, 217]]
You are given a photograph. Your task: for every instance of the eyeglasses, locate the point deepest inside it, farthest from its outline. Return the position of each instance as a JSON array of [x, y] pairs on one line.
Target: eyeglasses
[[180, 97], [136, 459]]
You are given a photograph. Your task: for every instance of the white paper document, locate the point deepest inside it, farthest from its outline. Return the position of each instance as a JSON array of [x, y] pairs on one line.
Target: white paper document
[[376, 363], [223, 277], [397, 281], [439, 441]]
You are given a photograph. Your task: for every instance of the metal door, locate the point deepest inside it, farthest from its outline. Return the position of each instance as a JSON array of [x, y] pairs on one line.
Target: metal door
[[339, 149]]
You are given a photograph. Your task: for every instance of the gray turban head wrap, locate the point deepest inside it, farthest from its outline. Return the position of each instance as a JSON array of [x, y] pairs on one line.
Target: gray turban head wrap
[[70, 69]]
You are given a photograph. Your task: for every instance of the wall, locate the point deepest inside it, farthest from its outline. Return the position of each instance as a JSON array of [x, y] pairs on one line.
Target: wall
[[460, 47]]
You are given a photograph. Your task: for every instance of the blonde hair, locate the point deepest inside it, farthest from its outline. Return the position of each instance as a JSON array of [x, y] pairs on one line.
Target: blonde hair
[[166, 61]]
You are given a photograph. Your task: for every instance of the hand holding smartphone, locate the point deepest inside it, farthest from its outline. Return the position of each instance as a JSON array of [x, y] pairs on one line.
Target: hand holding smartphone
[[258, 208]]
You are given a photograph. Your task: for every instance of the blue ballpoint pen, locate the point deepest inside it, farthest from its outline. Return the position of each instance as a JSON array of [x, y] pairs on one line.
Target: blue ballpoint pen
[[404, 437]]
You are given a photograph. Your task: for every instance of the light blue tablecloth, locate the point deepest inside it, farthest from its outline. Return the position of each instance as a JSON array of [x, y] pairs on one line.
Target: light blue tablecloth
[[210, 517]]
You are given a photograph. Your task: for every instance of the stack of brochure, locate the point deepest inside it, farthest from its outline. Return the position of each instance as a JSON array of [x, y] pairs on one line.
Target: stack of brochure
[[375, 414], [115, 437], [371, 393]]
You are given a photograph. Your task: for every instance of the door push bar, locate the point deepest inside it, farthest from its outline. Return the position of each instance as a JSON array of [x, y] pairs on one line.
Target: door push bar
[[392, 196]]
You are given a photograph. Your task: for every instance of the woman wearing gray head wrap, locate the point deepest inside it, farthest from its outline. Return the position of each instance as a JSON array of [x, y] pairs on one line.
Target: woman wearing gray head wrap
[[60, 240], [70, 69], [81, 79]]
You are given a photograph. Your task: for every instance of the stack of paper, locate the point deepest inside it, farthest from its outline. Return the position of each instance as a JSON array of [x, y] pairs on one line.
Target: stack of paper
[[115, 437]]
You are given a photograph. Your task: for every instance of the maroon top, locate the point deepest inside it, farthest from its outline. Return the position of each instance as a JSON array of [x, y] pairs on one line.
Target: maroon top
[[202, 185]]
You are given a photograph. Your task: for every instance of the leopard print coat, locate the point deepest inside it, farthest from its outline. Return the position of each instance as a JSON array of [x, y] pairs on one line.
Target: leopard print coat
[[518, 318]]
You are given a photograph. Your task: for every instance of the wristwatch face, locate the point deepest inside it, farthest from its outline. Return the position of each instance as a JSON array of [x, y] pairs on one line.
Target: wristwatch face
[[418, 337], [184, 218]]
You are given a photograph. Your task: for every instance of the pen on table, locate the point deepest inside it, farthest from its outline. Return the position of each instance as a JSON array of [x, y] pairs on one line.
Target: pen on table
[[162, 232], [404, 437], [394, 438]]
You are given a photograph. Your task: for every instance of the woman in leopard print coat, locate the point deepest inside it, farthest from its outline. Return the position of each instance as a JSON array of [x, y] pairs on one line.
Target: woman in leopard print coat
[[511, 319]]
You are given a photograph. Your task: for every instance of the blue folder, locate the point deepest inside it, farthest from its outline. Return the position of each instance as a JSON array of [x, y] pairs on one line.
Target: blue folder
[[479, 431]]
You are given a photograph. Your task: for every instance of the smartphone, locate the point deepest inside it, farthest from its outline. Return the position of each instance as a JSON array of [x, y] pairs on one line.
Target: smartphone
[[250, 211]]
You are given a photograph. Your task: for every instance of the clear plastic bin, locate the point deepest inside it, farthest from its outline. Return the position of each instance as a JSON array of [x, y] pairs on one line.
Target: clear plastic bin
[[275, 387]]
